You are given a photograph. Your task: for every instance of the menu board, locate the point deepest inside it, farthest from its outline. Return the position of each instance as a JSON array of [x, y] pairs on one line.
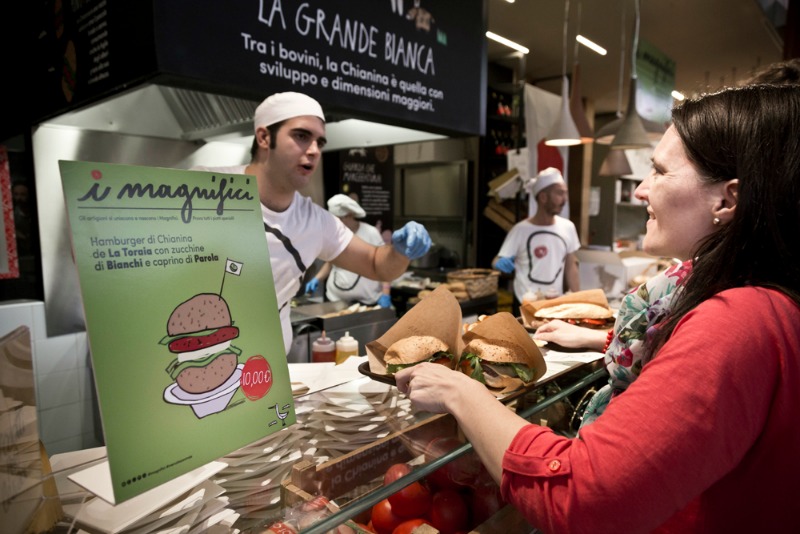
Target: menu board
[[413, 63], [181, 316]]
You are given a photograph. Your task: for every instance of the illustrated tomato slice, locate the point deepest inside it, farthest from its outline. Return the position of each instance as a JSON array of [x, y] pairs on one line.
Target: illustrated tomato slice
[[192, 343]]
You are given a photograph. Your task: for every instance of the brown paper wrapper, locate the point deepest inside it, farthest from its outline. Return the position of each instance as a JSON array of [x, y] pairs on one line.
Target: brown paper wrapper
[[590, 296], [503, 329], [438, 315]]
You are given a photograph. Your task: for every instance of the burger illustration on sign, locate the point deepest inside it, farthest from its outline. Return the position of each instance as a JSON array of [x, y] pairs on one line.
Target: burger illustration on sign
[[206, 368]]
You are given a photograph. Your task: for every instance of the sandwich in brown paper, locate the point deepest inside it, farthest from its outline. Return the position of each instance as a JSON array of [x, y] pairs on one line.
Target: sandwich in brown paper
[[499, 352], [588, 308], [427, 331], [434, 324]]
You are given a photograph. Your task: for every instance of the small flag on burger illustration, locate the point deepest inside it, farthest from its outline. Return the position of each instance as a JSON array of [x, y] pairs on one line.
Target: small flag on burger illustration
[[206, 368]]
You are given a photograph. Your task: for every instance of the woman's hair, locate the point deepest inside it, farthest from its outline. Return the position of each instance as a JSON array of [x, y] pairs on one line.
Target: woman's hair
[[751, 133]]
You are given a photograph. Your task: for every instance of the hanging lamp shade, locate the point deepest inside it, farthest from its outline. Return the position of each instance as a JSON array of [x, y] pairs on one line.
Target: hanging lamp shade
[[564, 132], [631, 132], [615, 164], [577, 110]]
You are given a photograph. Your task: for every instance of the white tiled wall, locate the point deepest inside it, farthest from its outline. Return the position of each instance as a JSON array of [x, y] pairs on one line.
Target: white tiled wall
[[65, 399]]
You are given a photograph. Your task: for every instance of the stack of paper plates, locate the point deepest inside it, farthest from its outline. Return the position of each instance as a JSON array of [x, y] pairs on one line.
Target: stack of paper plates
[[353, 415]]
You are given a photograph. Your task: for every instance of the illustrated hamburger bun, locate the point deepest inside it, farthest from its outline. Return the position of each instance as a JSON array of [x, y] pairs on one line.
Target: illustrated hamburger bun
[[200, 331], [211, 376]]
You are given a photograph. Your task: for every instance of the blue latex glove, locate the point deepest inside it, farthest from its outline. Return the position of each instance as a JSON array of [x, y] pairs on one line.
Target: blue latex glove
[[385, 301], [412, 240], [505, 264], [312, 285]]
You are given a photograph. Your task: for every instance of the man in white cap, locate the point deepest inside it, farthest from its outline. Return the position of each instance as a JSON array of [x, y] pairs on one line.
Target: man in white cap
[[289, 137], [541, 249], [345, 285]]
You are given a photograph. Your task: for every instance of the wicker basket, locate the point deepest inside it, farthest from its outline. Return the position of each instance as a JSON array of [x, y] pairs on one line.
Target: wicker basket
[[479, 282]]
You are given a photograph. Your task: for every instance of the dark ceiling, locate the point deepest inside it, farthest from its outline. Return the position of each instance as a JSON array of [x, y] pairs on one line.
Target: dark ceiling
[[712, 42]]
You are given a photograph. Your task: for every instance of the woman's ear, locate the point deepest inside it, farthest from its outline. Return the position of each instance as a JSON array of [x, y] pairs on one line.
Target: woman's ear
[[728, 200]]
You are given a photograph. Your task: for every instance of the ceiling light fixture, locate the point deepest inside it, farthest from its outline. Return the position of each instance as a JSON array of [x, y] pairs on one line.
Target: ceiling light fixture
[[564, 132], [615, 164], [591, 45], [511, 44], [630, 130], [677, 95]]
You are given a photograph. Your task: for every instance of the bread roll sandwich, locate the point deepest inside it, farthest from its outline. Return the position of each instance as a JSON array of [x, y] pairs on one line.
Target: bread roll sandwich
[[587, 308], [501, 354], [413, 350]]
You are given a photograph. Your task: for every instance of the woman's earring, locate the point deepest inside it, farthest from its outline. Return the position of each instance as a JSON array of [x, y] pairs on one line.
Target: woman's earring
[[716, 221]]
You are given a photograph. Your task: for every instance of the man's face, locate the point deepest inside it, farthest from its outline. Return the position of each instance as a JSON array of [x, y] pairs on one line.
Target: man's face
[[552, 199], [297, 151]]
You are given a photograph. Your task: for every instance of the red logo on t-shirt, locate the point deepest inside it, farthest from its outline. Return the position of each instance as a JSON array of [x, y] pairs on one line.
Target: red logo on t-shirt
[[256, 378], [540, 252]]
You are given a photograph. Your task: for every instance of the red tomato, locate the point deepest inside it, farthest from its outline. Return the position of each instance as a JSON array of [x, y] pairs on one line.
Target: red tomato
[[394, 472], [485, 501], [456, 474], [407, 527], [384, 519], [412, 501], [449, 511]]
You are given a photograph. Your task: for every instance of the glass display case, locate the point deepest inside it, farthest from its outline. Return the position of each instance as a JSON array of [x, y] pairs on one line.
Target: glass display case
[[346, 438]]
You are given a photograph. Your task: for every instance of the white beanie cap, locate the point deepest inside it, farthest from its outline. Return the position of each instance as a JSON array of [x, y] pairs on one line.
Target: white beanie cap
[[282, 106], [545, 179], [341, 205]]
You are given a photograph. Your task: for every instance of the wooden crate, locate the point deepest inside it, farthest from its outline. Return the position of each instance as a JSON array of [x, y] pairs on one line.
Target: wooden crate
[[362, 469]]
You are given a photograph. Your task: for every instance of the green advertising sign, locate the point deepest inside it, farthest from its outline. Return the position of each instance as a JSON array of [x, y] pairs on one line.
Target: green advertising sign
[[656, 81], [181, 316]]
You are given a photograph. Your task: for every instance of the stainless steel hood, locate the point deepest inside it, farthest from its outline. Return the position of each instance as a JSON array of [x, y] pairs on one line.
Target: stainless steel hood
[[190, 115]]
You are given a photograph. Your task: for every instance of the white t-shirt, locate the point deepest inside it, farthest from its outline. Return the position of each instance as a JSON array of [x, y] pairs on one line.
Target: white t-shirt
[[296, 237], [539, 253], [352, 287]]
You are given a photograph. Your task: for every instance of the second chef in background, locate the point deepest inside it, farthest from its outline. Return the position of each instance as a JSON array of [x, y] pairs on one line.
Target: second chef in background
[[344, 285]]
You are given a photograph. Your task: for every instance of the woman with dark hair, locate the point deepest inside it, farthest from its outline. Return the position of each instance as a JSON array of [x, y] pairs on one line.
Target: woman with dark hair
[[704, 440]]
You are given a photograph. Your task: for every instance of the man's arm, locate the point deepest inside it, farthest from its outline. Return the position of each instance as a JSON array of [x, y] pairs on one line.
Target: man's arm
[[323, 272], [376, 263], [571, 273]]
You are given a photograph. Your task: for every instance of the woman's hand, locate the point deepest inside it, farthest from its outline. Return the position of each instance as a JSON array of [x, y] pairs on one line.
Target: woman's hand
[[571, 336], [431, 386]]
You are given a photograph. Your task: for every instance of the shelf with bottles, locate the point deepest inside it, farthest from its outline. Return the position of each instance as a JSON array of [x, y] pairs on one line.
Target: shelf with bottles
[[624, 192], [503, 106]]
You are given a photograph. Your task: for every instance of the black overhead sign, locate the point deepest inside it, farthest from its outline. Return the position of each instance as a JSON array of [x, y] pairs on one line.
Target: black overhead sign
[[415, 63]]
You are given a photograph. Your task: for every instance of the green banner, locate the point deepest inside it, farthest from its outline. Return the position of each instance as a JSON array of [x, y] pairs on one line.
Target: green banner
[[181, 316], [656, 81]]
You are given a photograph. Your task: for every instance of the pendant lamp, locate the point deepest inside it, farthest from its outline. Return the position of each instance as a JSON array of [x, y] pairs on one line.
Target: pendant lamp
[[575, 102], [615, 164], [564, 132], [630, 131]]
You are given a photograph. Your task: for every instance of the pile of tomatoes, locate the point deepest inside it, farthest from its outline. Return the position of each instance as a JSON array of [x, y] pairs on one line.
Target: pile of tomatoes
[[453, 499]]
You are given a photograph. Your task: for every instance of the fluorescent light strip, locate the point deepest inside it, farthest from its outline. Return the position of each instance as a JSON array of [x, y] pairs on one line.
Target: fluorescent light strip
[[678, 96], [510, 44], [591, 45]]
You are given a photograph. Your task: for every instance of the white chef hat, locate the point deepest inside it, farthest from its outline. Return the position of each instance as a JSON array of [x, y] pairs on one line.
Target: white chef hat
[[543, 180], [341, 205], [282, 106]]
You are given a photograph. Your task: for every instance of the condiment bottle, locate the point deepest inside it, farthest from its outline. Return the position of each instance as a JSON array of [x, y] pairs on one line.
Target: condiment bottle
[[323, 349], [346, 346]]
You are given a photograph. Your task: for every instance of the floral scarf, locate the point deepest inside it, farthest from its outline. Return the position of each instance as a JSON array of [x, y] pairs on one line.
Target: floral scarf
[[642, 308]]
